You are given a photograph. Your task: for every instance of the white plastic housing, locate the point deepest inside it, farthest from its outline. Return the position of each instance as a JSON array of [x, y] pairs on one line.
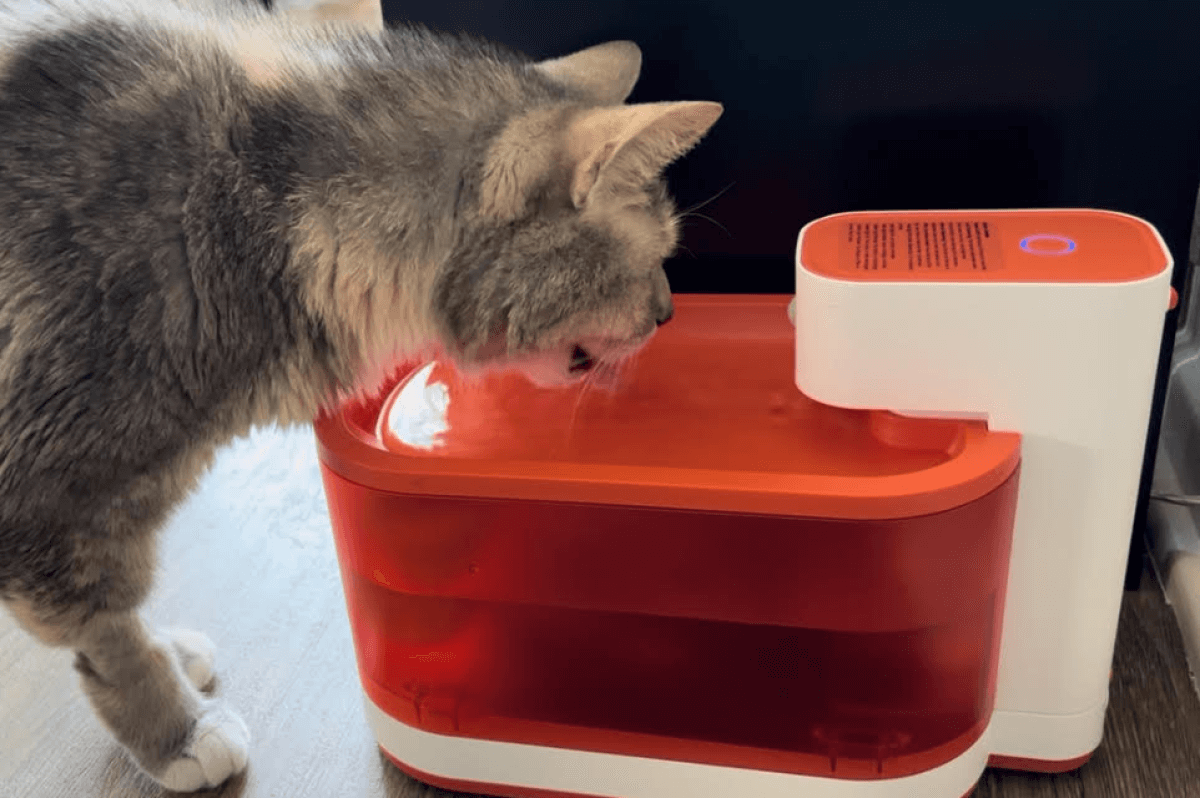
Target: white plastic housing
[[1071, 367], [468, 764]]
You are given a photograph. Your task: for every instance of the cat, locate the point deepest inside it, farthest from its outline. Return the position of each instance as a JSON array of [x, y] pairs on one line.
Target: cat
[[218, 216]]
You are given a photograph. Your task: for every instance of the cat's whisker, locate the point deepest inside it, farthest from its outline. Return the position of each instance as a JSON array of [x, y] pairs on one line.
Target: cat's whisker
[[628, 366], [693, 215], [586, 386], [708, 201]]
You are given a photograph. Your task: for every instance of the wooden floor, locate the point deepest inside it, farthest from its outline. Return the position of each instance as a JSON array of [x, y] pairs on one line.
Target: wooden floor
[[251, 562]]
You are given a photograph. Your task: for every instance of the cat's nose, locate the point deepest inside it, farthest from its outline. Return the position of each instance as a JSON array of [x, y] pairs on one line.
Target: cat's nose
[[661, 306], [664, 312]]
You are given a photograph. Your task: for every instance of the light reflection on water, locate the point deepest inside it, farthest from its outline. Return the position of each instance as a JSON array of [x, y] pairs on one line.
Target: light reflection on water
[[418, 416]]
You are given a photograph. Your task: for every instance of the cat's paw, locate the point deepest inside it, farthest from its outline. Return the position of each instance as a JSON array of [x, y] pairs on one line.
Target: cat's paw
[[197, 655], [217, 748]]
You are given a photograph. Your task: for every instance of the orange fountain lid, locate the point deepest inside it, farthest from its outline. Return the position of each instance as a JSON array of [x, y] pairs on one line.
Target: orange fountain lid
[[1061, 246], [707, 417]]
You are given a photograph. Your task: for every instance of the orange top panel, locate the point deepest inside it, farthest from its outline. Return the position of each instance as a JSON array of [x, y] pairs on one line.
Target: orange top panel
[[1055, 246], [708, 417]]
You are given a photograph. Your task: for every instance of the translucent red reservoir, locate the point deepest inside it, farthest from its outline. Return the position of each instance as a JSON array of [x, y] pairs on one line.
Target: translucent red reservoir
[[703, 565]]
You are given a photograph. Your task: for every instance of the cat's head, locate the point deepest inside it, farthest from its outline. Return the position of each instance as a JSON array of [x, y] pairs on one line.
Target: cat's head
[[562, 269]]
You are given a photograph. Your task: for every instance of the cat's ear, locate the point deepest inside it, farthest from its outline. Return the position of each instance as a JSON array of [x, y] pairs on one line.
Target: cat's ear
[[606, 73], [366, 13], [626, 147]]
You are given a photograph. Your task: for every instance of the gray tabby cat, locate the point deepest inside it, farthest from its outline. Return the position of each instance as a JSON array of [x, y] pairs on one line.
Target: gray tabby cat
[[215, 218]]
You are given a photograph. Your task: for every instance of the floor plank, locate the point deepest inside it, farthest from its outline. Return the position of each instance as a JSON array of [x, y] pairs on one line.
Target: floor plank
[[250, 560]]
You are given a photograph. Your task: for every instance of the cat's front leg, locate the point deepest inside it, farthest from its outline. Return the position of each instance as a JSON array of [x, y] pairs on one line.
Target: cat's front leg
[[138, 684], [145, 687]]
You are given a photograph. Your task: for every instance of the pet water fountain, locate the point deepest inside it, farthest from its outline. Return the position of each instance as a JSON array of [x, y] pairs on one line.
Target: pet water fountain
[[861, 554]]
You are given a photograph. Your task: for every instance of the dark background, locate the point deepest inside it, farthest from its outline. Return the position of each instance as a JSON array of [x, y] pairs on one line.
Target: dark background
[[854, 105]]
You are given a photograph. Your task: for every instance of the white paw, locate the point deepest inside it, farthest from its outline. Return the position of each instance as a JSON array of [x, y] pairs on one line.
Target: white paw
[[196, 653], [217, 749]]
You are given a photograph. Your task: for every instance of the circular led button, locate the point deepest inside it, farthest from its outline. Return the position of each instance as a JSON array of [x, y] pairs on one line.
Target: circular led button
[[1047, 244]]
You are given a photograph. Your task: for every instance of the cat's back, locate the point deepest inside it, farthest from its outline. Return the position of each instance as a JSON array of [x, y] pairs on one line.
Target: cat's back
[[102, 103], [111, 109], [114, 120]]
